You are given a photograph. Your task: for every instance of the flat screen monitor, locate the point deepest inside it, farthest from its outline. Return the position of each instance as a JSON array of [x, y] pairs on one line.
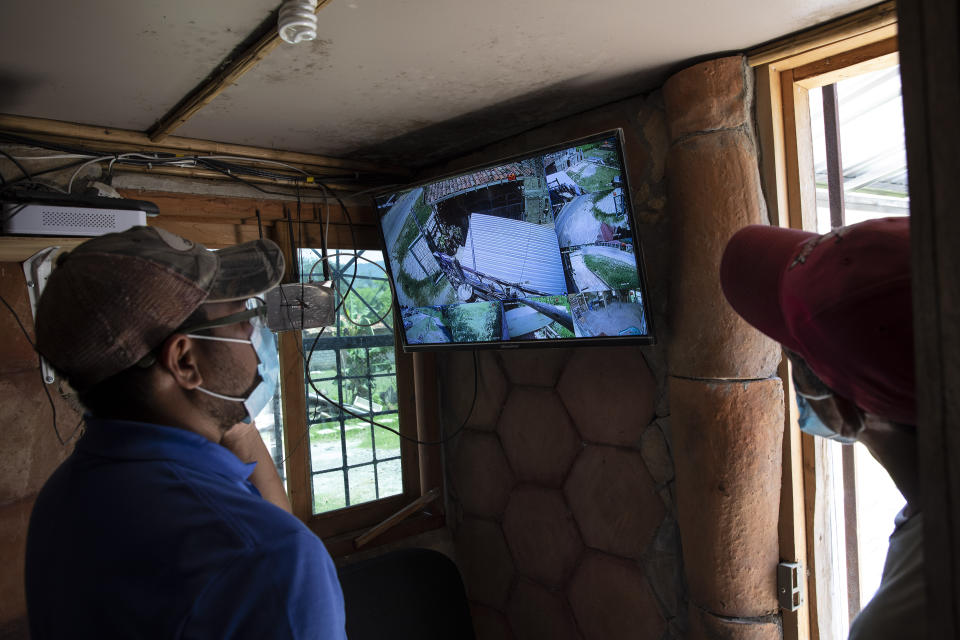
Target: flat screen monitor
[[537, 250]]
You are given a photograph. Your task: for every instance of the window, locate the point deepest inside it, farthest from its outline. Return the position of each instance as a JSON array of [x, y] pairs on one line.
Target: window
[[352, 365], [828, 490], [343, 474], [857, 131]]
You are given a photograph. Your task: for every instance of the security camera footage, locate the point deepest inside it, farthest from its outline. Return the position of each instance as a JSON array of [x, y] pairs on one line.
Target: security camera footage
[[538, 249]]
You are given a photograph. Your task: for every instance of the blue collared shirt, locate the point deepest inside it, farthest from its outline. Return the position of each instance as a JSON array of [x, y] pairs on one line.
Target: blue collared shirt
[[148, 531]]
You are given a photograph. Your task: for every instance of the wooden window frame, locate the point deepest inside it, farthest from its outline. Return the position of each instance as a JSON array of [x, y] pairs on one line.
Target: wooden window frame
[[785, 72], [418, 411]]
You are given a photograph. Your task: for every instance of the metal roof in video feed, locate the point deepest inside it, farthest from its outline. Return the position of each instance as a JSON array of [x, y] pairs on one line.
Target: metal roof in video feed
[[515, 251]]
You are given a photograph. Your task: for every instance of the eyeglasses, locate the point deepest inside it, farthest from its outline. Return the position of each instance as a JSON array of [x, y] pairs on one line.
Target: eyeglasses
[[256, 313]]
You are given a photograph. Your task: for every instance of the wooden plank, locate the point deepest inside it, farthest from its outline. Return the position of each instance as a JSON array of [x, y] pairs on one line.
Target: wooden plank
[[269, 184], [397, 518], [212, 235], [850, 535], [831, 134], [930, 71], [355, 518], [342, 545], [848, 32], [428, 419], [265, 39], [407, 405], [184, 205], [798, 147], [793, 511], [69, 131], [809, 457], [833, 69], [19, 248], [770, 125], [800, 213], [296, 436]]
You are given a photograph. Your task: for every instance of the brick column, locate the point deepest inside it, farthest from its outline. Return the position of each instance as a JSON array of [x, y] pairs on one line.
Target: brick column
[[726, 406]]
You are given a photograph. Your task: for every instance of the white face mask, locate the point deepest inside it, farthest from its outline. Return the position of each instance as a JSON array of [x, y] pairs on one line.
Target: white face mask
[[264, 344]]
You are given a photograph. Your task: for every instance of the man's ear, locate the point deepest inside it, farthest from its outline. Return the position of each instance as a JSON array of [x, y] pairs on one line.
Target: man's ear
[[178, 356]]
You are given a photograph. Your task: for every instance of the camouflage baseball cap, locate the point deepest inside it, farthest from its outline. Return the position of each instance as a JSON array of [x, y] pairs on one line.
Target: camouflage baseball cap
[[115, 298]]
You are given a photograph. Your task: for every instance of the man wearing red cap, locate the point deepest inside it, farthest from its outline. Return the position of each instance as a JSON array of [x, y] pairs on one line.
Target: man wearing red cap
[[841, 306]]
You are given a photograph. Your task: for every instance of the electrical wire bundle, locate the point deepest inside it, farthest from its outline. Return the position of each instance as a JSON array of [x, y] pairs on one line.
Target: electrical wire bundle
[[234, 167], [231, 167], [306, 357]]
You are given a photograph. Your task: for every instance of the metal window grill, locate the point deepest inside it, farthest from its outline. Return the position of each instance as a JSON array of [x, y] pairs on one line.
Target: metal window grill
[[352, 461]]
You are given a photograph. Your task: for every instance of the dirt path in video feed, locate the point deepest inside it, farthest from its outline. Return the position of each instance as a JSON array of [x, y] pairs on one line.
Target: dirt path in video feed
[[613, 319], [585, 279]]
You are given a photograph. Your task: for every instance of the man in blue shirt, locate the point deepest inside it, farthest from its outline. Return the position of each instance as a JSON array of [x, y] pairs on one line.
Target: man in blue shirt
[[169, 519]]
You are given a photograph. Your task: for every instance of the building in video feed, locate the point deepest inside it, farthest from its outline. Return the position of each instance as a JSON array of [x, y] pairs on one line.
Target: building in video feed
[[487, 236], [538, 318], [601, 266], [609, 313]]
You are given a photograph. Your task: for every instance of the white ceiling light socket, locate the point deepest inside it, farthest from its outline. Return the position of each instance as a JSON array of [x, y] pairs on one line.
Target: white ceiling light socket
[[298, 21]]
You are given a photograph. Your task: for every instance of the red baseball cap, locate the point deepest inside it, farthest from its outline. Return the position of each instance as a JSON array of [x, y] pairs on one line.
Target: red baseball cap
[[842, 301]]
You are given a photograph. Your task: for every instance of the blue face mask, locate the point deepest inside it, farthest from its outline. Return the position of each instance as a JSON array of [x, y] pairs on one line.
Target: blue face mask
[[811, 423], [264, 343]]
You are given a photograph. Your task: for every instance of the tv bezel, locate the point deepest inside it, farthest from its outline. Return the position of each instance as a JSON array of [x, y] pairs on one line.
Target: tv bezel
[[649, 339]]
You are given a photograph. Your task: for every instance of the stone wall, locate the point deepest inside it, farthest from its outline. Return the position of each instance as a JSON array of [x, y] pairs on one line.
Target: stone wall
[[561, 483], [727, 404]]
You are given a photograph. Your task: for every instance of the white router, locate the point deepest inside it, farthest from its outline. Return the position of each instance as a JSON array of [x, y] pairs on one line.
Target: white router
[[42, 214]]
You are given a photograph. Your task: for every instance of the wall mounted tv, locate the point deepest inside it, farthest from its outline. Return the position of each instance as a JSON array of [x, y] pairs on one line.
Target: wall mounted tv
[[537, 250]]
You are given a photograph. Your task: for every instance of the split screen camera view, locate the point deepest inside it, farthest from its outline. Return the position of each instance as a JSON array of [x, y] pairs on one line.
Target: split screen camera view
[[536, 249]]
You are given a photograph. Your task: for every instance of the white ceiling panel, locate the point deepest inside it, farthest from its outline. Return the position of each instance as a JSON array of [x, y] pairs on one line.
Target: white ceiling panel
[[476, 71], [397, 80], [117, 63]]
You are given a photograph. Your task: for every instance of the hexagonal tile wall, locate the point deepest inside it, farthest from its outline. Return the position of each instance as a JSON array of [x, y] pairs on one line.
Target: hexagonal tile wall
[[541, 534], [609, 393], [457, 382], [558, 463], [536, 612], [537, 435], [610, 598], [484, 561], [490, 624], [481, 474], [536, 367], [613, 500]]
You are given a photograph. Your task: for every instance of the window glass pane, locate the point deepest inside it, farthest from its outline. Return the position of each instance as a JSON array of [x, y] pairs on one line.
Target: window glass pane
[[872, 148], [359, 442], [328, 491], [326, 446], [388, 444], [874, 168], [352, 365], [363, 484], [390, 476]]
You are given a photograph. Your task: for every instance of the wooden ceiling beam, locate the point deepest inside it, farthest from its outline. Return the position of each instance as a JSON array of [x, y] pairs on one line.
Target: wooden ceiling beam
[[125, 139], [254, 49]]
